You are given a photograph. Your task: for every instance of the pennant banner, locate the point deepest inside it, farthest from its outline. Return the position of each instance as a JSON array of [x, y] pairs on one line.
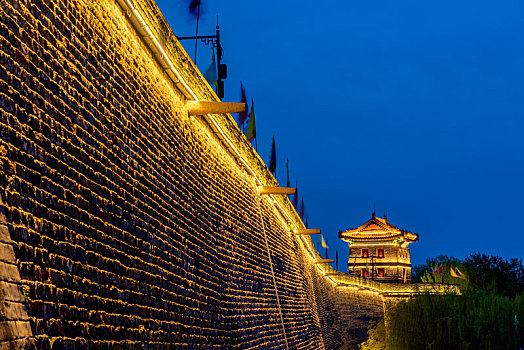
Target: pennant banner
[[287, 172], [324, 244], [251, 129], [242, 116], [273, 158], [455, 272]]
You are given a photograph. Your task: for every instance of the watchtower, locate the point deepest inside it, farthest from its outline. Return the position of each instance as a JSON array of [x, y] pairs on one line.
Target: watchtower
[[379, 250]]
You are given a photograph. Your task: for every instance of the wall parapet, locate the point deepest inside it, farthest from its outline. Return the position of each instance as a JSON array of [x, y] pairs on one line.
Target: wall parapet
[[387, 289]]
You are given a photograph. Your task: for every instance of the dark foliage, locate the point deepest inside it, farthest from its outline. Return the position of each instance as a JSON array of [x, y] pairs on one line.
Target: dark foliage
[[475, 320], [483, 317], [493, 273]]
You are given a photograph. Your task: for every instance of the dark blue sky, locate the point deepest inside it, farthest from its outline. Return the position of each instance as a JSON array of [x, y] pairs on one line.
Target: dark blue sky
[[415, 107]]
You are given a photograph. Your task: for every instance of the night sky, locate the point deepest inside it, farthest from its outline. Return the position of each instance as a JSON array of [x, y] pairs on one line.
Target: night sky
[[410, 106]]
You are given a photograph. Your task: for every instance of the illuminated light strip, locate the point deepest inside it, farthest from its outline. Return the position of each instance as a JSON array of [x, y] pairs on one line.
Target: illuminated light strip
[[159, 46], [194, 96], [374, 244], [210, 117], [172, 67]]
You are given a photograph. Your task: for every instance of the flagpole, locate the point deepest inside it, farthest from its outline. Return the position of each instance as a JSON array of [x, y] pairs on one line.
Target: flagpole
[[196, 33]]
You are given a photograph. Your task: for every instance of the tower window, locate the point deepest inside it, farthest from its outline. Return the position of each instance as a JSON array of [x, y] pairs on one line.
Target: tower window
[[365, 252], [365, 273], [380, 272], [380, 252]]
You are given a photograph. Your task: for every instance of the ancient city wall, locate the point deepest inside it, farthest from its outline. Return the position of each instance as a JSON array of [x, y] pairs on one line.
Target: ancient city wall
[[126, 222]]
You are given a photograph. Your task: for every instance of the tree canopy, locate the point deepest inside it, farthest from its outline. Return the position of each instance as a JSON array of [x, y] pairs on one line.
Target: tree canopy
[[487, 315]]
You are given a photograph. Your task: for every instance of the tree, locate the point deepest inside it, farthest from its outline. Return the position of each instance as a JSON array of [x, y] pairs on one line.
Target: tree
[[477, 319], [376, 337], [493, 273], [483, 317]]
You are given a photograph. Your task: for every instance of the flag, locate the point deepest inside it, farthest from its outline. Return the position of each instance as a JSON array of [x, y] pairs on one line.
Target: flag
[[435, 269], [456, 273], [193, 7], [251, 132], [242, 116], [295, 198], [307, 226], [324, 244], [440, 270], [459, 273], [287, 171], [211, 72], [301, 210], [273, 158], [452, 272]]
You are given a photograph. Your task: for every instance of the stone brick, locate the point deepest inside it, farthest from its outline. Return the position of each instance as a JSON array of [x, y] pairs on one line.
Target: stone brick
[[9, 272], [6, 252], [14, 329], [12, 291], [4, 234], [13, 311], [19, 344]]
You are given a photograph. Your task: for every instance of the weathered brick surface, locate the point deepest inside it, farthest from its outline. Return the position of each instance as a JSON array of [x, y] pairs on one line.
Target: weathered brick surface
[[129, 221], [15, 329]]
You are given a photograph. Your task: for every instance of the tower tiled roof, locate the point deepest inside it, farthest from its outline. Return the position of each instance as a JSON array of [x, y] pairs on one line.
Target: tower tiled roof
[[377, 229]]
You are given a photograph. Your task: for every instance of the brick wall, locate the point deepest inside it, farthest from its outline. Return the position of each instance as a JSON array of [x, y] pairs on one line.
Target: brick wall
[[131, 223]]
